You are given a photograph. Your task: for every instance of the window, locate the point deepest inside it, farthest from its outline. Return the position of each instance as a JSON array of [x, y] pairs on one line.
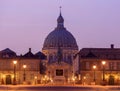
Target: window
[[118, 66], [87, 65], [69, 58], [32, 76], [50, 58], [111, 65]]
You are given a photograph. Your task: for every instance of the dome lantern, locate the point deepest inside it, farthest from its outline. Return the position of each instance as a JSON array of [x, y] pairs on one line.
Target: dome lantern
[[60, 20]]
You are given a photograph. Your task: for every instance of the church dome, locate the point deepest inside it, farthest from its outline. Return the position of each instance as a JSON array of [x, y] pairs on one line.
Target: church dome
[[60, 37]]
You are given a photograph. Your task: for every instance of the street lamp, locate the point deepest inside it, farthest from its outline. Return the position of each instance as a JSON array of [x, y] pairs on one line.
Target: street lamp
[[73, 80], [24, 74], [14, 79], [94, 67], [103, 63], [35, 80]]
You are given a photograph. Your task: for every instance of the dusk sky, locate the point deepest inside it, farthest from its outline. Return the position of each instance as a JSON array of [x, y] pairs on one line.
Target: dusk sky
[[25, 24]]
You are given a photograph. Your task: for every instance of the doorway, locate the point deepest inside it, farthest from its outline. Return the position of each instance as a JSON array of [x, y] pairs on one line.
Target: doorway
[[8, 79], [111, 80]]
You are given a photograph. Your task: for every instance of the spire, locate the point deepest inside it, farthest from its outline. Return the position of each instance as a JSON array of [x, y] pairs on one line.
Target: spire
[[60, 19], [60, 10]]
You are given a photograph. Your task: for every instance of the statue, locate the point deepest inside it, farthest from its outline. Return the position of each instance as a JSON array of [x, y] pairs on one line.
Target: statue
[[59, 55]]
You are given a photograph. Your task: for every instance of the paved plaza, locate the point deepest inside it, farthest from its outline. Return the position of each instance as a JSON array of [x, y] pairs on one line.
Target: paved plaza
[[58, 88]]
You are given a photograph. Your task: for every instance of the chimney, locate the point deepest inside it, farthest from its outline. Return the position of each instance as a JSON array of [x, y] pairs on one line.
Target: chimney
[[112, 46], [29, 49]]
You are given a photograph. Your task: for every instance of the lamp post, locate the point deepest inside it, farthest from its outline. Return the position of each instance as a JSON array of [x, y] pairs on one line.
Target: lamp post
[[14, 79], [73, 81], [24, 74], [103, 63], [35, 80], [84, 80], [94, 68]]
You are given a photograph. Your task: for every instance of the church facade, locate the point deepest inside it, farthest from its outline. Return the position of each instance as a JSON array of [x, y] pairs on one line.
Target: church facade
[[60, 47]]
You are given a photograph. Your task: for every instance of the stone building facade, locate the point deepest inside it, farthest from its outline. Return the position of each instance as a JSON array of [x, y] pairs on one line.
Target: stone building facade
[[28, 75], [88, 57]]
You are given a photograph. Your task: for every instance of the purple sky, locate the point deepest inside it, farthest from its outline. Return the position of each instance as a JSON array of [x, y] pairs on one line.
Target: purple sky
[[26, 23]]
